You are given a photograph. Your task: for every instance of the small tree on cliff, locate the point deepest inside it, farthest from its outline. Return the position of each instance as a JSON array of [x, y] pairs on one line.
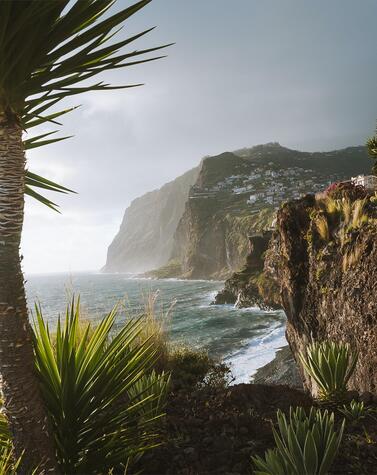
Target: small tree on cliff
[[47, 49], [372, 149]]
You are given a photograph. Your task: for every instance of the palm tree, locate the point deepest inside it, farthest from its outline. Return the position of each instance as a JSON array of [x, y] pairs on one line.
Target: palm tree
[[372, 149], [47, 49]]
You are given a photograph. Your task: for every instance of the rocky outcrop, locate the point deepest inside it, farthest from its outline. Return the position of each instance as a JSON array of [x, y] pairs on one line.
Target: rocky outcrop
[[251, 287], [237, 194], [281, 370], [325, 263], [146, 235], [210, 238]]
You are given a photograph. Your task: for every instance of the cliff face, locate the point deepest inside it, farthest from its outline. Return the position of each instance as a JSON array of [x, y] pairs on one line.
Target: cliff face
[[210, 238], [238, 194], [145, 237], [197, 225], [250, 286], [324, 258], [210, 241]]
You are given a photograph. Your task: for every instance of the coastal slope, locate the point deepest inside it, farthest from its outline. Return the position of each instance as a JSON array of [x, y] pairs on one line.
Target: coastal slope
[[197, 226], [238, 194]]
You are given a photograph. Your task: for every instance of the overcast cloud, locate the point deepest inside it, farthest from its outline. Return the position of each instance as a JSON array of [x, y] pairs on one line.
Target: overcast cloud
[[242, 72]]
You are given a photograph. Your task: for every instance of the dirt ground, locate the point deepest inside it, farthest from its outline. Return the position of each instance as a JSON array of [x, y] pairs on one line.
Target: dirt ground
[[211, 431]]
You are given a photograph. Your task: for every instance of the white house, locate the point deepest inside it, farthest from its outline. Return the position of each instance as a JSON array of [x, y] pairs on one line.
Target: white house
[[240, 190], [369, 182], [252, 199]]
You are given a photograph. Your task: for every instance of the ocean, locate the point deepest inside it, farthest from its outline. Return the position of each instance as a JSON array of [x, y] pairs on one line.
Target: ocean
[[246, 339]]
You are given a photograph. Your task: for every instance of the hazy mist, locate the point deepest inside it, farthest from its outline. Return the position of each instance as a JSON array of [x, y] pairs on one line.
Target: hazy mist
[[241, 73]]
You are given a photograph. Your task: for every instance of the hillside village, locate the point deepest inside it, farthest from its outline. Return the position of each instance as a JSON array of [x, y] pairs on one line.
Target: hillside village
[[256, 183], [231, 195], [266, 186]]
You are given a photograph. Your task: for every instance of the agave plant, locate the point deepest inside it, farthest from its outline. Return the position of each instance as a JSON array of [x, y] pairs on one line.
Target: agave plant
[[331, 365], [102, 401], [305, 445], [148, 387], [356, 411]]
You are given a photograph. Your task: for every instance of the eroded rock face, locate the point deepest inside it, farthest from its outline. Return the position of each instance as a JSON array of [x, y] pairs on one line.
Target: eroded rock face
[[328, 287], [249, 287]]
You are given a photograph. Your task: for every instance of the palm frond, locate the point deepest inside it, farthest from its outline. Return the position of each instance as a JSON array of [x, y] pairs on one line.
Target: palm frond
[[68, 43], [372, 150], [32, 180]]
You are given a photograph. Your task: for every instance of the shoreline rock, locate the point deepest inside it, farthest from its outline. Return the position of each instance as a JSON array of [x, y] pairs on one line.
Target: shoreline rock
[[251, 286], [281, 370]]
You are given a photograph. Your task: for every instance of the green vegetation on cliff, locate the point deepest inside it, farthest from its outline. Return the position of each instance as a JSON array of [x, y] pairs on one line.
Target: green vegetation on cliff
[[171, 269], [238, 194], [197, 225]]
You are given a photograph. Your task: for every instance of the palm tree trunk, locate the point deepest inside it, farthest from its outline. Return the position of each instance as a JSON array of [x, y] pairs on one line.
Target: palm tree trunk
[[21, 394]]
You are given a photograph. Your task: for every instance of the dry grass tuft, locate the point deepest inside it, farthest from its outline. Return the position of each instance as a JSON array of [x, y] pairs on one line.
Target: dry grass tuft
[[322, 226], [351, 258], [156, 326], [358, 216]]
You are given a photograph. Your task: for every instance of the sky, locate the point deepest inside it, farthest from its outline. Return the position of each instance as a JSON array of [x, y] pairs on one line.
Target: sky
[[241, 73]]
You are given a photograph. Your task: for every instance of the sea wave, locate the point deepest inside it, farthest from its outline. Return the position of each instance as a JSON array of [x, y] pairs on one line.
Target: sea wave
[[256, 353], [246, 338]]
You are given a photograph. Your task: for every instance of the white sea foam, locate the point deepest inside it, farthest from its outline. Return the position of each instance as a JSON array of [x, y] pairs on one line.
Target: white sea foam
[[257, 353], [176, 279], [246, 338]]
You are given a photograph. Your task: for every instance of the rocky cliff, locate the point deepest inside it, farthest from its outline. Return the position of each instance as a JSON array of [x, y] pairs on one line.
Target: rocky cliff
[[251, 286], [145, 237], [281, 370], [197, 226], [238, 194], [324, 258]]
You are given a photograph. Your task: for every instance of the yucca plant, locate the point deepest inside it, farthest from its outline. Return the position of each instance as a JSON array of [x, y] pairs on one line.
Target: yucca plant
[[49, 50], [150, 386], [331, 365], [305, 445], [102, 400], [355, 411]]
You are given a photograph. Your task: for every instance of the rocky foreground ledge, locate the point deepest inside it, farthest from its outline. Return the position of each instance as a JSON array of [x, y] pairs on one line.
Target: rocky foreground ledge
[[282, 369], [320, 266]]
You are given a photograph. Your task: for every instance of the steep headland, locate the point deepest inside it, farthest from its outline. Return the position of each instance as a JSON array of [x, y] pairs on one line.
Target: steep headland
[[145, 237], [250, 286], [237, 194], [197, 226]]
